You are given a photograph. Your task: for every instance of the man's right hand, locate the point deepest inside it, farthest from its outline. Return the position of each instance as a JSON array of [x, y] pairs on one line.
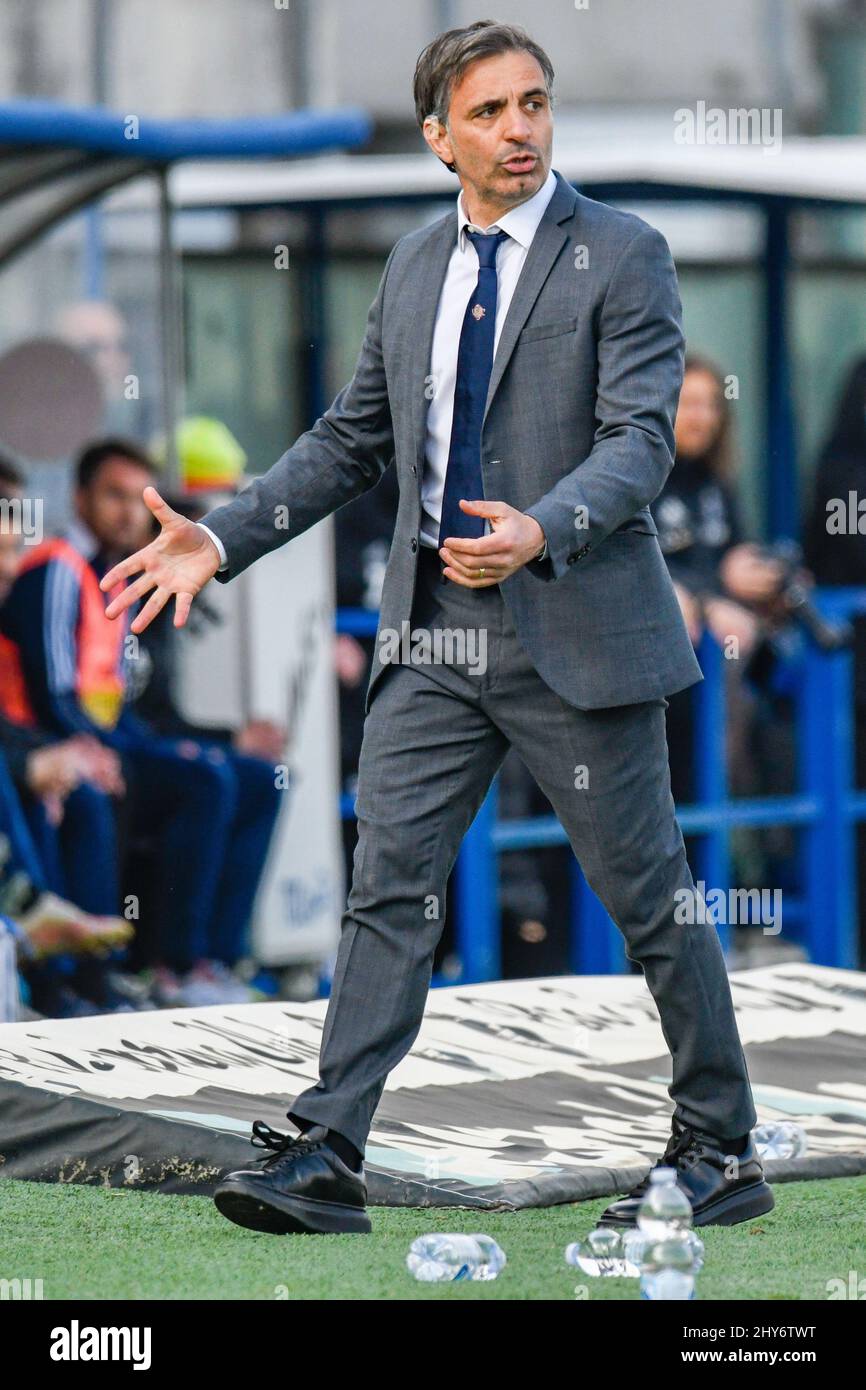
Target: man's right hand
[[180, 561]]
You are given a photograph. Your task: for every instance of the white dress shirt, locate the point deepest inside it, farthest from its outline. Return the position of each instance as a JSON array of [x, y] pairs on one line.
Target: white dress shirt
[[461, 277], [224, 559]]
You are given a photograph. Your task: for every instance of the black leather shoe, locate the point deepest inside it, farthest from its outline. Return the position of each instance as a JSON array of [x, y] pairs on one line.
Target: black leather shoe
[[716, 1199], [302, 1188]]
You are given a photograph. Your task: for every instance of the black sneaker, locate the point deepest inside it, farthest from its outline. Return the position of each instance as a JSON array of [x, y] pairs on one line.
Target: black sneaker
[[303, 1187], [701, 1164]]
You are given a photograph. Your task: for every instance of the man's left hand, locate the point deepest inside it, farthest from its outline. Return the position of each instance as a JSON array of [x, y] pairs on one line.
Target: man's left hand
[[514, 539]]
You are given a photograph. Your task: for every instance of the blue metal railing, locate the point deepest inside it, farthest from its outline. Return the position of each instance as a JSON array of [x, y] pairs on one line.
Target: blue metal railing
[[824, 809]]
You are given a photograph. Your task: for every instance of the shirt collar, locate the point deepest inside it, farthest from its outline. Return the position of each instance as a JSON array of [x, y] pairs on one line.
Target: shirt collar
[[521, 222]]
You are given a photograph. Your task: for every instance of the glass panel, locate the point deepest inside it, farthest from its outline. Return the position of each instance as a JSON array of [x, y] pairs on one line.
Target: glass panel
[[244, 364]]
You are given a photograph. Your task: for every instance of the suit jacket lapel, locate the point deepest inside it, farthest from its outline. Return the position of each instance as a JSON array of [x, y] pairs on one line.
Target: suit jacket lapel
[[436, 256], [546, 246]]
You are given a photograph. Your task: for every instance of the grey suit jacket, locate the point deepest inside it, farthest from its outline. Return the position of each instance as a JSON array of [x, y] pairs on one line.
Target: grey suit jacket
[[578, 432]]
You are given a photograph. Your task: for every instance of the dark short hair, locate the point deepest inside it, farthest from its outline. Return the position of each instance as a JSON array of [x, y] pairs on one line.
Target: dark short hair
[[446, 59], [11, 476], [91, 459]]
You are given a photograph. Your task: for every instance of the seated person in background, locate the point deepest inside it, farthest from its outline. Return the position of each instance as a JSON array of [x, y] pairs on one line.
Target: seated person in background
[[76, 666], [211, 460], [53, 775], [49, 834], [724, 585], [720, 578], [836, 553], [47, 925]]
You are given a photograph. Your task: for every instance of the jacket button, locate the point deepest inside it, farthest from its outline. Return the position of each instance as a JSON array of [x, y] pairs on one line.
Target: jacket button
[[414, 468], [413, 545]]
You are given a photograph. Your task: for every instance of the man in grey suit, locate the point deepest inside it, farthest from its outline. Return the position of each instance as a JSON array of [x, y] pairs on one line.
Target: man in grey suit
[[521, 366]]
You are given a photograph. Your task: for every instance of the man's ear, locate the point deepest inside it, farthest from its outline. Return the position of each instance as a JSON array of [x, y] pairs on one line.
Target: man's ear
[[436, 135]]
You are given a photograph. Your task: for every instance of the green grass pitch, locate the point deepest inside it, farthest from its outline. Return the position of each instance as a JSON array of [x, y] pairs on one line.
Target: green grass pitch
[[95, 1243]]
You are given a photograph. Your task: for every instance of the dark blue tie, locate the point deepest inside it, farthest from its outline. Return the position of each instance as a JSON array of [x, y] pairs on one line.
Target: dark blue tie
[[474, 365]]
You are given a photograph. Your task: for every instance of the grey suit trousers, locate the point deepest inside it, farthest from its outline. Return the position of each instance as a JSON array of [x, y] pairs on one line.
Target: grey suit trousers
[[434, 738]]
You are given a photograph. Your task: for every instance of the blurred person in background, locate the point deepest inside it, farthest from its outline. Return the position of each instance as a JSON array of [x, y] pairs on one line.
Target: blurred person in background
[[720, 579], [211, 462], [98, 329], [97, 333], [52, 829], [63, 951], [836, 554], [76, 667], [736, 590]]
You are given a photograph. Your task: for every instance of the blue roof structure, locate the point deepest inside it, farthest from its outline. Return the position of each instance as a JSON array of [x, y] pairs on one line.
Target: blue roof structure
[[55, 159], [48, 124]]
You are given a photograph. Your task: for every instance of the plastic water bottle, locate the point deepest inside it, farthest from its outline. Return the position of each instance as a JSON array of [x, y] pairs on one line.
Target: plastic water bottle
[[781, 1139], [665, 1210], [669, 1257], [635, 1246], [442, 1259], [668, 1268], [600, 1255]]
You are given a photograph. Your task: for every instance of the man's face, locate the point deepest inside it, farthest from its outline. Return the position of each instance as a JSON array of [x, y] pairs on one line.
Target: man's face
[[10, 547], [499, 133], [10, 540], [699, 413], [111, 505]]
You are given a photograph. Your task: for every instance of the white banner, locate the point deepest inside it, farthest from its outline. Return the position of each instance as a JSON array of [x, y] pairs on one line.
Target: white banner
[[522, 1092]]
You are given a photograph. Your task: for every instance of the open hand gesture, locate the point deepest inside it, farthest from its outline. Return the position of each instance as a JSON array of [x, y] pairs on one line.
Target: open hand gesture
[[180, 561]]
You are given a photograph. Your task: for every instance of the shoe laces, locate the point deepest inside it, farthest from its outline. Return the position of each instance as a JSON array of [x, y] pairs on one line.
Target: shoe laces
[[281, 1146], [677, 1147]]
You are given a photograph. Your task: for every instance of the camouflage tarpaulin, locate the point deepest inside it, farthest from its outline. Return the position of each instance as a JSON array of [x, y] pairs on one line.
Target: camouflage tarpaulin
[[520, 1093]]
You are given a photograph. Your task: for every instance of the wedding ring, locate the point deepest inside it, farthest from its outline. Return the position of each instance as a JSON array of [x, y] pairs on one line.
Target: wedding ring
[[481, 574]]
